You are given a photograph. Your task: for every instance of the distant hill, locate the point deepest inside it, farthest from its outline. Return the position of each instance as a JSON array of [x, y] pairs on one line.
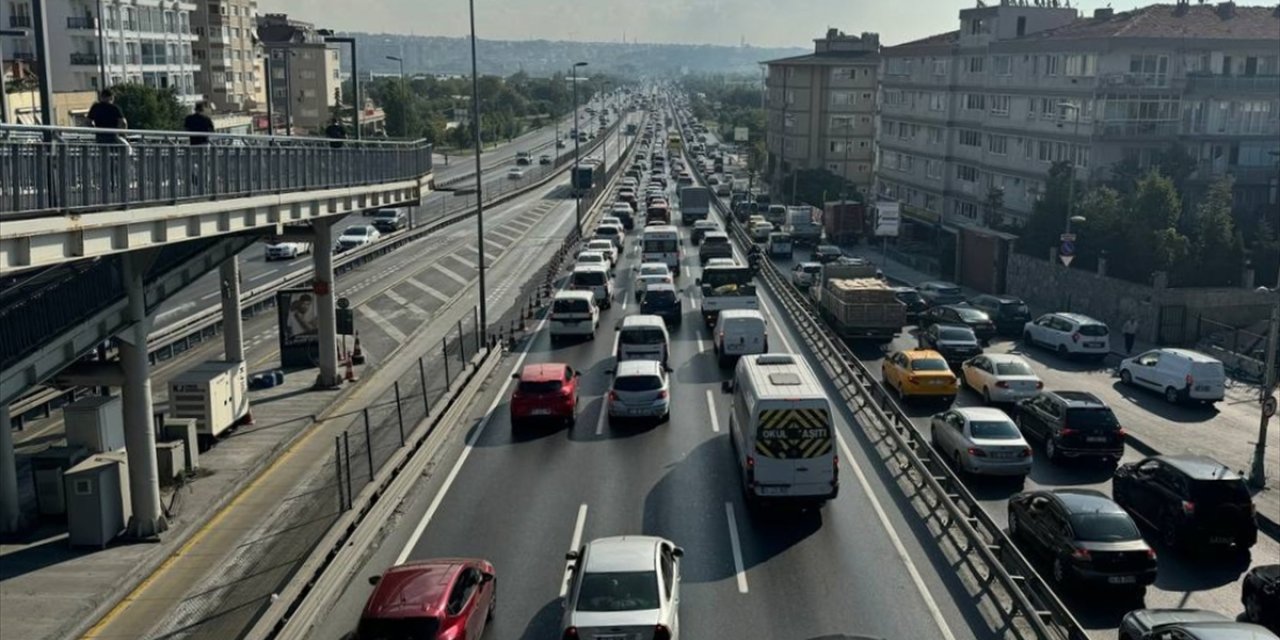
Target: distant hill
[[440, 55]]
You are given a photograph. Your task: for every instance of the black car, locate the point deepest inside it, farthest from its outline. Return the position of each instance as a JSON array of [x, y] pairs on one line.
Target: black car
[[1072, 424], [956, 343], [912, 300], [1009, 313], [1084, 537], [1186, 624], [1261, 596], [1192, 501], [825, 253], [663, 301], [975, 319]]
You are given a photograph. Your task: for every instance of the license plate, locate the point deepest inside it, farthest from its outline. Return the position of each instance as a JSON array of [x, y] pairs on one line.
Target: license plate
[[1093, 344], [1004, 454], [771, 491], [1122, 579], [1202, 387], [1095, 439], [937, 382], [540, 412]]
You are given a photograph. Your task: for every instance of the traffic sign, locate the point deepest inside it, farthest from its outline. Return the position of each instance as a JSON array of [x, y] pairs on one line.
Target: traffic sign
[[343, 303], [1067, 237], [1269, 406], [1067, 248]]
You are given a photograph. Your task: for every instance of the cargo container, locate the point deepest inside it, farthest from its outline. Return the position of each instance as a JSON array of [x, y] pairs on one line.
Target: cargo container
[[844, 221], [856, 303]]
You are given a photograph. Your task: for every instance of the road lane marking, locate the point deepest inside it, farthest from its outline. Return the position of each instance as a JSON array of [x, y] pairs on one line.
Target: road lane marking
[[604, 414], [452, 274], [427, 290], [264, 274], [210, 295], [404, 302], [711, 408], [901, 550], [782, 335], [383, 323], [505, 236], [574, 543], [736, 547], [468, 263]]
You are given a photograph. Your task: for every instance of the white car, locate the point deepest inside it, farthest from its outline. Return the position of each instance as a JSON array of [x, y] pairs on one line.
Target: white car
[[1181, 375], [981, 440], [285, 250], [1000, 377], [593, 257], [1069, 334], [720, 262], [640, 390], [357, 236], [623, 587], [515, 173], [652, 269], [604, 246], [804, 274], [612, 233], [612, 221]]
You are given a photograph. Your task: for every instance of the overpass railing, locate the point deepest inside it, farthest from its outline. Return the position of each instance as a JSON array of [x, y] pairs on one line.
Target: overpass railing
[[55, 170]]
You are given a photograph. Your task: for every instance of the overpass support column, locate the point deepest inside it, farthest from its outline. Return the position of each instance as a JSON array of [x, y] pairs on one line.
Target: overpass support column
[[232, 323], [10, 510], [148, 520], [326, 310]]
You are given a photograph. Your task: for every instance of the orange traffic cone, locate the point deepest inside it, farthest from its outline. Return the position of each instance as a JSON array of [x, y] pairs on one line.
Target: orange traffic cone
[[350, 375], [357, 355]]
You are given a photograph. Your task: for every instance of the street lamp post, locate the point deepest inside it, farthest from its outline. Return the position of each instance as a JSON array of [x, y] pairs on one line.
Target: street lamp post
[[1258, 470], [475, 128], [577, 133], [403, 89], [1071, 185], [357, 105]]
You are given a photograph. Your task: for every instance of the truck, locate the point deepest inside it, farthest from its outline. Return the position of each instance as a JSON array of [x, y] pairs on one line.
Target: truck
[[843, 221], [804, 222], [726, 288], [585, 178], [695, 204], [776, 214], [856, 303]]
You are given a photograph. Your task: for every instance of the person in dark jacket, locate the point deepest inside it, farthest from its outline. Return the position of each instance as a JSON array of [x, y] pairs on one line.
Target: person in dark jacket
[[199, 122], [336, 132], [104, 114]]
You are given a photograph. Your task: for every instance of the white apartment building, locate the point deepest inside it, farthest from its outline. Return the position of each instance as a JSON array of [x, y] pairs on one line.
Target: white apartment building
[[304, 73], [227, 51], [992, 105]]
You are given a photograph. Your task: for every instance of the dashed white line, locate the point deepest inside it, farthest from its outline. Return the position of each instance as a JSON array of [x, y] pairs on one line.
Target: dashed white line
[[711, 408], [210, 295], [264, 274], [406, 303], [427, 290], [574, 543], [383, 323], [452, 274], [736, 547], [604, 414]]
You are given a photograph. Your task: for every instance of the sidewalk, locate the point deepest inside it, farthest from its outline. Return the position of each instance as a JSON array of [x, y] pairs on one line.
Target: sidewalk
[[1159, 428]]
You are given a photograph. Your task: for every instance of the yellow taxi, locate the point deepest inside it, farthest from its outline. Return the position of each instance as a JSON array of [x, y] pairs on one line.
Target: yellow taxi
[[919, 373]]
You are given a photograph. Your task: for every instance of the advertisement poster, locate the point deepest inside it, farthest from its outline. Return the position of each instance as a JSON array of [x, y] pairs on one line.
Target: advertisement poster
[[299, 332]]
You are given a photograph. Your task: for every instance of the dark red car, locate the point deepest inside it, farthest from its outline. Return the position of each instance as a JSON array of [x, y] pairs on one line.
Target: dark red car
[[547, 391], [443, 599]]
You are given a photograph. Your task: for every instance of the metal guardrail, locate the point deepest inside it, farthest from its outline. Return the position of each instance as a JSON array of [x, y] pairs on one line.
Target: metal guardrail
[[53, 171], [1031, 598]]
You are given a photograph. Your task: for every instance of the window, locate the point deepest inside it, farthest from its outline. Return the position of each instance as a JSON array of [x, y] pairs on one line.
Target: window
[[976, 64], [937, 101], [933, 169], [975, 101], [940, 67], [998, 145], [1081, 64], [1051, 65], [930, 203], [893, 97], [841, 123], [970, 138], [307, 74], [1002, 65], [966, 173], [843, 73], [1000, 105], [1149, 64], [667, 565], [966, 209], [1044, 151], [841, 98], [835, 146]]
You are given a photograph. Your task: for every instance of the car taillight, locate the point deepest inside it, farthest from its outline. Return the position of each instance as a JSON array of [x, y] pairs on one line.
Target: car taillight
[[1080, 554], [1151, 554], [1120, 432], [1026, 452], [1075, 337], [570, 634], [661, 632], [1039, 385], [1190, 380], [662, 394], [566, 391], [1066, 431], [977, 453], [751, 471], [613, 395], [913, 380], [1002, 384], [1188, 507]]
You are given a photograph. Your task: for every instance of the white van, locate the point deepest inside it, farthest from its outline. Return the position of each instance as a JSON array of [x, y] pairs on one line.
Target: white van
[[574, 313], [739, 332], [661, 243], [643, 337], [593, 278], [1180, 374], [782, 431]]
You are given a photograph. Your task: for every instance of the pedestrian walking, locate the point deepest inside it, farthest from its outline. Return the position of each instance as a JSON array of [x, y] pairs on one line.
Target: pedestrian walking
[[1130, 331], [198, 122], [335, 132], [104, 114]]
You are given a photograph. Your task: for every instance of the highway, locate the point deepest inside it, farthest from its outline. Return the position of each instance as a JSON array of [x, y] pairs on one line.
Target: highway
[[521, 499]]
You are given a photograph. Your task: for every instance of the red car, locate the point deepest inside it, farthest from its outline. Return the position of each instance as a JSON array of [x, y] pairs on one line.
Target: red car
[[444, 599], [545, 391]]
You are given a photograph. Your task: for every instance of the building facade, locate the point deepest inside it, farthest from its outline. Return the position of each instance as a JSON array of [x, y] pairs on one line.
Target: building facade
[[820, 110], [227, 51], [973, 118], [304, 73]]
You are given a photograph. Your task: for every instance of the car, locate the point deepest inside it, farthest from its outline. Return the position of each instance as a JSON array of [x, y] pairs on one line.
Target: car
[[1009, 313], [715, 244], [960, 314], [804, 274], [545, 391], [515, 173], [825, 253], [912, 300], [625, 587], [919, 373], [981, 441], [1260, 595], [1072, 424], [640, 389], [610, 220], [643, 337], [560, 144], [614, 233], [779, 244], [625, 213], [389, 220], [663, 300], [737, 333], [440, 599], [1087, 539], [285, 250], [955, 342], [938, 292], [1191, 501], [573, 313], [1000, 377], [357, 236], [701, 228], [544, 159], [651, 272], [605, 246], [1187, 624], [594, 278], [1069, 334], [1181, 375], [643, 282], [592, 257], [523, 160]]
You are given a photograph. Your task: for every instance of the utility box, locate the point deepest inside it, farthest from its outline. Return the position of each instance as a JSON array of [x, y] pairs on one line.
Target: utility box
[[98, 507], [215, 393], [47, 469], [95, 423], [183, 429], [170, 461]]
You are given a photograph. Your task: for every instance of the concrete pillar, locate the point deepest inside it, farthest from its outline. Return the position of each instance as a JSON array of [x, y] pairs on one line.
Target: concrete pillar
[[232, 323], [10, 510], [1247, 277], [148, 520], [326, 310]]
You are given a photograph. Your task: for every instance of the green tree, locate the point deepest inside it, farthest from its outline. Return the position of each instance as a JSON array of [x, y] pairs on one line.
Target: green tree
[[1048, 217], [814, 186], [1151, 240], [150, 108], [1218, 248]]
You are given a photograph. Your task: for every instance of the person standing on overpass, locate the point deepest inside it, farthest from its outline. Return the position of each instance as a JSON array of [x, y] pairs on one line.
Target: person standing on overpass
[[104, 114], [198, 122]]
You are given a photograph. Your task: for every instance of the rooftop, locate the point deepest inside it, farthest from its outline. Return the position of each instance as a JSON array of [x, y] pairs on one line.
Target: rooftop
[[1222, 21]]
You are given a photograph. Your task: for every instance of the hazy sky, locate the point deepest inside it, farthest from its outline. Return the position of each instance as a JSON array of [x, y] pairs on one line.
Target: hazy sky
[[760, 22]]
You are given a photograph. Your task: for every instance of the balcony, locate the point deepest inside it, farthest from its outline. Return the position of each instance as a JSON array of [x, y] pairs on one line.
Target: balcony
[[1138, 129], [84, 59], [20, 22], [82, 22], [1269, 85], [1138, 80], [1209, 170]]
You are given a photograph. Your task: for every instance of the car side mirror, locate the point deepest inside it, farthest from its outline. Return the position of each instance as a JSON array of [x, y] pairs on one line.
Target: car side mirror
[[374, 580], [667, 368], [486, 577], [726, 386], [515, 376], [577, 374], [678, 552], [572, 555]]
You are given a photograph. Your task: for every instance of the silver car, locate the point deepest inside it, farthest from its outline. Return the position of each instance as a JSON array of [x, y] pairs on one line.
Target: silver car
[[1001, 377], [623, 588], [981, 440], [640, 390]]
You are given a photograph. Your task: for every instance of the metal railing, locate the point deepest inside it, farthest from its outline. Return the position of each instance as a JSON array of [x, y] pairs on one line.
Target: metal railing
[[46, 171], [82, 22], [20, 22], [84, 59]]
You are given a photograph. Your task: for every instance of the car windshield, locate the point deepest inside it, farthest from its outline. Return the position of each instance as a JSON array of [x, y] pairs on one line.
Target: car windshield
[[1013, 369], [1015, 309], [654, 269], [715, 240], [1219, 492], [618, 591], [637, 383], [956, 334], [1092, 419], [662, 297], [971, 315], [642, 335], [385, 215], [607, 231], [566, 305], [538, 387], [947, 291], [909, 297], [600, 245], [398, 628], [655, 245], [1093, 329], [994, 430], [355, 231], [1104, 527], [589, 278], [929, 364]]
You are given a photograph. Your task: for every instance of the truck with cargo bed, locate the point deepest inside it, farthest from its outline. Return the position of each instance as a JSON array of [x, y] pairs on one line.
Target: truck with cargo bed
[[726, 288], [843, 221], [695, 204], [856, 303], [804, 222]]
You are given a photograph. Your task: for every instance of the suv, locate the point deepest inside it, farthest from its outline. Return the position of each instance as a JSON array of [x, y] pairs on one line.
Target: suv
[[662, 300], [1069, 334], [1186, 624], [961, 314], [715, 244], [1260, 595], [1190, 500], [955, 342], [388, 220], [1009, 313], [940, 292], [825, 253], [1072, 424]]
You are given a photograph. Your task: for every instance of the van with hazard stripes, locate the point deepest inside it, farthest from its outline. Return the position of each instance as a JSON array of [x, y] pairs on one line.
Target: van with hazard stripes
[[781, 426]]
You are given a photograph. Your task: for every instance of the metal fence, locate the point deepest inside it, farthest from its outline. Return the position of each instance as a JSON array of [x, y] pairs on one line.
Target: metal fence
[[52, 170]]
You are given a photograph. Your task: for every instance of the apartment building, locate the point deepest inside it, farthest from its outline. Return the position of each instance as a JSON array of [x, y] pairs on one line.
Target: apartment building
[[228, 54], [820, 109], [977, 115], [304, 79]]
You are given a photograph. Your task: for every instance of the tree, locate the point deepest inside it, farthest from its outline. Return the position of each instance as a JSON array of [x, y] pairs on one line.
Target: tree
[[993, 207], [1048, 217], [149, 108], [813, 186], [1151, 240], [1218, 248]]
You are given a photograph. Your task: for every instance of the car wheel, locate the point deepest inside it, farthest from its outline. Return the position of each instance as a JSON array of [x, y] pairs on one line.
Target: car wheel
[[1169, 532], [960, 470], [1026, 337], [1014, 532], [1050, 449], [1252, 608], [1172, 395], [1126, 377]]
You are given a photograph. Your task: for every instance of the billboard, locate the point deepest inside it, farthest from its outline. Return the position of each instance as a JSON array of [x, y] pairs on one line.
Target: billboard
[[888, 218], [741, 134], [298, 327]]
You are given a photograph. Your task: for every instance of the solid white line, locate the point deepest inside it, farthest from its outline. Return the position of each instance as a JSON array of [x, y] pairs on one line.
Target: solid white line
[[604, 415], [573, 546], [625, 298], [929, 602], [427, 290], [711, 408], [782, 335], [737, 548], [264, 274], [702, 346], [684, 270], [445, 270], [210, 295], [383, 323]]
